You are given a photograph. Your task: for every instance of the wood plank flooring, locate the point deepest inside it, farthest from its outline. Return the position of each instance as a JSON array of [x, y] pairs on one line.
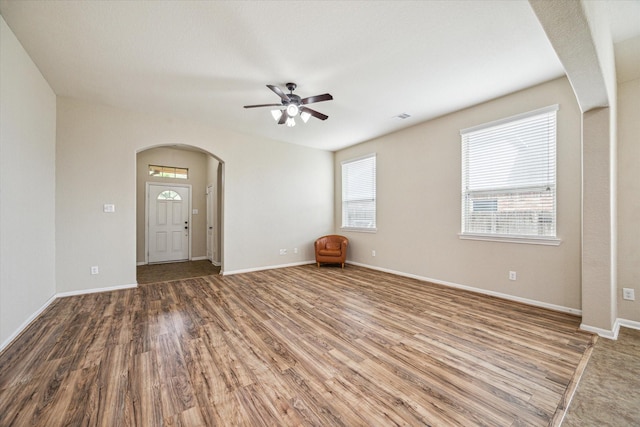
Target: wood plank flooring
[[295, 346]]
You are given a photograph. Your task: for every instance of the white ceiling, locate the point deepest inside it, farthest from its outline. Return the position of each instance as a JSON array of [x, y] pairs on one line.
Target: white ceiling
[[204, 60]]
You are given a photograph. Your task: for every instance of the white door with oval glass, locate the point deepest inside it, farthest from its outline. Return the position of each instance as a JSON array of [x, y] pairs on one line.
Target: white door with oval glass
[[168, 222]]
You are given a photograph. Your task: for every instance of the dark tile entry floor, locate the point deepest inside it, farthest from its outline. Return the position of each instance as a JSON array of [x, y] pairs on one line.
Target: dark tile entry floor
[[152, 273]]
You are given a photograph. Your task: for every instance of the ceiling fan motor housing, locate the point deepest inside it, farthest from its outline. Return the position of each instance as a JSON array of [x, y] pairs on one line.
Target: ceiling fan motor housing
[[293, 99]]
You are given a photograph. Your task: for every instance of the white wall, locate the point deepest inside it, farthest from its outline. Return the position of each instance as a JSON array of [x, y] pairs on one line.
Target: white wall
[[276, 195], [629, 197], [27, 198], [418, 206]]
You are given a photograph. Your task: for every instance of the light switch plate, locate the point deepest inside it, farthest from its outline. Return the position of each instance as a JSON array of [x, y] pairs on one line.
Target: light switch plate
[[109, 208], [628, 294]]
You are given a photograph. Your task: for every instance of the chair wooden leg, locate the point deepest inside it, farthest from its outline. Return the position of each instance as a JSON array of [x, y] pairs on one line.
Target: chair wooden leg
[[343, 265], [318, 264]]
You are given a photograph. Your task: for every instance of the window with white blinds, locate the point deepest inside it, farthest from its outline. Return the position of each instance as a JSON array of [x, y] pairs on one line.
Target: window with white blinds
[[359, 193], [509, 177]]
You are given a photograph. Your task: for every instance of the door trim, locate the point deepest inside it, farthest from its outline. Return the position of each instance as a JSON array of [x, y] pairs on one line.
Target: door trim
[[210, 223], [146, 214]]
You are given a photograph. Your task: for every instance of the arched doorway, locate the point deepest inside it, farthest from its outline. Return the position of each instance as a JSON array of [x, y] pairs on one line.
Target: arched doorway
[[178, 166]]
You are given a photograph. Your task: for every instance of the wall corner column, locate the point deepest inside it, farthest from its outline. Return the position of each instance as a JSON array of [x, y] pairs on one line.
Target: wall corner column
[[579, 33], [598, 225]]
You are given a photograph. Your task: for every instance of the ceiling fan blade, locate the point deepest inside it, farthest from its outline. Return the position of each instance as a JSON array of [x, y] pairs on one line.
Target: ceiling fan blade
[[279, 92], [263, 105], [317, 98], [314, 113], [283, 118]]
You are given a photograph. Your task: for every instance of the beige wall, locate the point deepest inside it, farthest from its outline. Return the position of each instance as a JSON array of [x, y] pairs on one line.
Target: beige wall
[[198, 164], [418, 203], [629, 197], [27, 190], [276, 195]]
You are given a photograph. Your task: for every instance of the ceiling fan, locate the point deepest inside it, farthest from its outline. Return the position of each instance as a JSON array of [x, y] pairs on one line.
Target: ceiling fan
[[294, 105]]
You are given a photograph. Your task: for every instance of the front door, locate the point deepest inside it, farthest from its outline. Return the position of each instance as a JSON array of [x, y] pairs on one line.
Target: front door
[[168, 222]]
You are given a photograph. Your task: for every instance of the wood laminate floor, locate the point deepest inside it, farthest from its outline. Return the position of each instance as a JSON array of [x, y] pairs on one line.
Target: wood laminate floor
[[295, 346]]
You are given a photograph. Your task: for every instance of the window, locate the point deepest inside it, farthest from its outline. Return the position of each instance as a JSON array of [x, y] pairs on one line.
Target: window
[[168, 172], [509, 178], [169, 195], [359, 193]]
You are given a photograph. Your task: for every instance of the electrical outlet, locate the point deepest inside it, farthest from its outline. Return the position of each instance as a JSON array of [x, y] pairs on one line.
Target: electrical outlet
[[373, 253], [95, 270], [628, 294], [513, 275], [295, 250], [283, 251]]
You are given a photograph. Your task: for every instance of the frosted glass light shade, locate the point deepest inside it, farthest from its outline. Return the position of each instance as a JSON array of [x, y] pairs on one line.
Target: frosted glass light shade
[[292, 110], [276, 114]]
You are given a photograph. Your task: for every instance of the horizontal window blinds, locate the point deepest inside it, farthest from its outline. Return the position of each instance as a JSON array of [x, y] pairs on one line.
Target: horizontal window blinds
[[509, 176], [359, 193]]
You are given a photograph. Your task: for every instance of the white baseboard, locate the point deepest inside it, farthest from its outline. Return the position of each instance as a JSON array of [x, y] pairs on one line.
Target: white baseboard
[[95, 290], [613, 333], [527, 301], [267, 267], [196, 258], [632, 324], [26, 323], [604, 333]]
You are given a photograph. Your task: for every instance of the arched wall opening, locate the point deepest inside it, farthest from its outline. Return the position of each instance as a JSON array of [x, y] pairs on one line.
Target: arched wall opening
[[206, 212]]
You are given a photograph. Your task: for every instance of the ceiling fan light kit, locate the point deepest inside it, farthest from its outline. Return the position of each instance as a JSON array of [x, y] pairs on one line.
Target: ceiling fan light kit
[[292, 110], [276, 114], [294, 106]]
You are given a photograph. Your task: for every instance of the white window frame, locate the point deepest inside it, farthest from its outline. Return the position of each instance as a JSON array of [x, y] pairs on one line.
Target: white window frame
[[348, 223], [470, 196]]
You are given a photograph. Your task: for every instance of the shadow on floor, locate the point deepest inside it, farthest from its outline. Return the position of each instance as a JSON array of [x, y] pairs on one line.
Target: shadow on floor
[[152, 273]]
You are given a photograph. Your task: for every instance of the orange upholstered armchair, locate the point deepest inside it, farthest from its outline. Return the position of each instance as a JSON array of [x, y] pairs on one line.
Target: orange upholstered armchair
[[331, 249]]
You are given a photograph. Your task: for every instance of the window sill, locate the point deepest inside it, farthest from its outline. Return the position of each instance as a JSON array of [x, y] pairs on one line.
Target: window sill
[[530, 240], [359, 230]]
